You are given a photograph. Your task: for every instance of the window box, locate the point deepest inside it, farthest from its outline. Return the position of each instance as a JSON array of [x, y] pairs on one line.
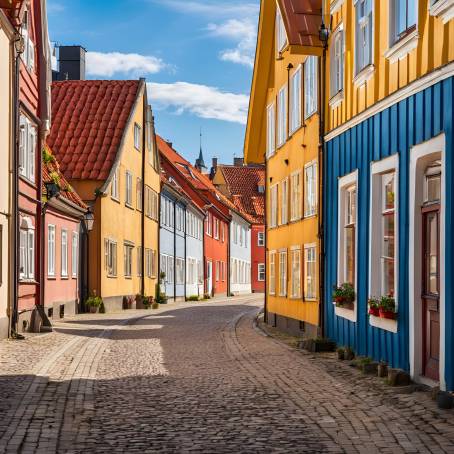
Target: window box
[[364, 75], [383, 323], [336, 99], [403, 47]]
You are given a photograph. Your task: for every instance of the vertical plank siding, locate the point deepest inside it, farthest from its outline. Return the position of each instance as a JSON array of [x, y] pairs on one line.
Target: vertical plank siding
[[395, 130]]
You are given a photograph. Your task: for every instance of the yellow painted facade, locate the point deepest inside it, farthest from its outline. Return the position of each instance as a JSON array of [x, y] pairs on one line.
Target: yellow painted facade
[[119, 221], [299, 232], [395, 63]]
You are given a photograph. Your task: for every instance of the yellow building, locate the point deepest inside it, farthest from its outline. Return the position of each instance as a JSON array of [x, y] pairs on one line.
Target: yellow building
[[103, 136], [283, 131]]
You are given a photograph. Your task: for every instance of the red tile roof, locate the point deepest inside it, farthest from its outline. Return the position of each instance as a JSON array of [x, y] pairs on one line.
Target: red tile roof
[[88, 122], [51, 170], [243, 184]]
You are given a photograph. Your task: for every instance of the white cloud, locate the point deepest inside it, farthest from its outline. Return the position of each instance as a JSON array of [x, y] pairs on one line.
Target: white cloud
[[244, 33], [201, 100], [54, 7], [212, 8], [111, 63]]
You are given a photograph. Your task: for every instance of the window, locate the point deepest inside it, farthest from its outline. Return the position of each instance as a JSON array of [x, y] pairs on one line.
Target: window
[[383, 252], [74, 253], [310, 86], [153, 263], [170, 270], [28, 56], [337, 62], [347, 229], [295, 197], [151, 203], [272, 284], [261, 239], [179, 271], [223, 231], [261, 272], [148, 262], [284, 201], [27, 253], [163, 265], [310, 195], [208, 222], [137, 136], [283, 273], [217, 271], [27, 148], [216, 228], [200, 271], [110, 253], [270, 130], [64, 253], [139, 194], [114, 185], [295, 257], [404, 15], [282, 116], [310, 281], [128, 188], [128, 248], [51, 250], [273, 206], [139, 261], [281, 35], [295, 100], [363, 34]]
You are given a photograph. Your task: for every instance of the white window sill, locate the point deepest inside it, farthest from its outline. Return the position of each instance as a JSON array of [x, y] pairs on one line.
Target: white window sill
[[444, 9], [337, 99], [364, 75], [403, 47], [335, 6], [349, 314], [383, 323]]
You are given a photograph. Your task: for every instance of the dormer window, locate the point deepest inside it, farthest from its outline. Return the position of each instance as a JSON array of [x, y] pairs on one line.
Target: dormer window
[[281, 35], [28, 56]]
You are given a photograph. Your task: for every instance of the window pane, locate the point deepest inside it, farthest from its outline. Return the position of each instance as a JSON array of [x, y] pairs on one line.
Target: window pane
[[350, 255]]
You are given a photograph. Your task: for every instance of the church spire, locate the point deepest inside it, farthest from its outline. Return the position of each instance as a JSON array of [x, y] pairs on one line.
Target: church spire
[[200, 162]]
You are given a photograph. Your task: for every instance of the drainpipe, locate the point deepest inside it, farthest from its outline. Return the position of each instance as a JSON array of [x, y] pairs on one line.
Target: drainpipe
[[265, 306], [142, 218], [175, 251], [228, 260], [323, 35], [203, 255], [15, 205], [185, 253]]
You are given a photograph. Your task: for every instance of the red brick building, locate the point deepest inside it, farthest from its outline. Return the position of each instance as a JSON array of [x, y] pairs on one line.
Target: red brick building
[[244, 186]]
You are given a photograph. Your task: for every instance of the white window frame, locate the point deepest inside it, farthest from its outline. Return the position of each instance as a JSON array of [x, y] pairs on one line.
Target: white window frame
[[261, 239], [296, 112], [283, 185], [27, 253], [310, 86], [139, 190], [282, 99], [273, 206], [310, 190], [283, 268], [272, 271], [281, 33], [28, 55], [337, 54], [51, 250], [444, 9], [64, 253], [110, 257], [74, 254], [378, 170], [114, 186], [295, 252], [137, 136], [313, 249], [364, 33], [261, 271], [296, 192], [127, 259], [344, 184], [270, 130], [128, 187], [394, 35], [179, 268], [28, 142]]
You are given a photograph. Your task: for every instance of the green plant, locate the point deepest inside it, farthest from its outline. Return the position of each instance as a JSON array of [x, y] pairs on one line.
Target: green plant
[[47, 157], [161, 297], [94, 301], [349, 354], [55, 177], [387, 304], [193, 298], [102, 308], [373, 303], [343, 294]]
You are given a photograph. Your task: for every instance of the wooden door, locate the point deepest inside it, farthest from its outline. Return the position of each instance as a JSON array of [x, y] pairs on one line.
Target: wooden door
[[431, 291]]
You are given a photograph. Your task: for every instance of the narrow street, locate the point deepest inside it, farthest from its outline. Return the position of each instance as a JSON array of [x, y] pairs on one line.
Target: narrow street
[[196, 378]]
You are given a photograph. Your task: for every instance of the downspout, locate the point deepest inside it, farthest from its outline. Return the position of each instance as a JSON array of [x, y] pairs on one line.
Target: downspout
[[142, 219], [228, 260], [175, 252], [15, 206], [320, 176], [185, 252], [265, 307], [41, 259], [204, 264]]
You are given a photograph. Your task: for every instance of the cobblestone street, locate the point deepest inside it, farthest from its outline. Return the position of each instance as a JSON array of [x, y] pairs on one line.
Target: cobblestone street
[[198, 378]]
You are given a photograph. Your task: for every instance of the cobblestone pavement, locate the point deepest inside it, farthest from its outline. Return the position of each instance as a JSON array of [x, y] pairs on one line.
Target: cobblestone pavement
[[198, 378]]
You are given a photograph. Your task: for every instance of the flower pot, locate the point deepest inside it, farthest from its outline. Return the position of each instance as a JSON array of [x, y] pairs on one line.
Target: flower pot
[[346, 305], [93, 309], [382, 370], [340, 354], [374, 311], [155, 306], [390, 315], [349, 354]]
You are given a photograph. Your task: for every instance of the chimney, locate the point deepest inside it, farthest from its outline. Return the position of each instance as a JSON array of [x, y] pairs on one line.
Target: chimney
[[71, 61], [238, 162], [215, 163]]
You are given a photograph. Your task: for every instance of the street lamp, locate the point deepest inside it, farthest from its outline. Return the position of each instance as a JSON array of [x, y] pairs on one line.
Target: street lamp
[[52, 189], [89, 219]]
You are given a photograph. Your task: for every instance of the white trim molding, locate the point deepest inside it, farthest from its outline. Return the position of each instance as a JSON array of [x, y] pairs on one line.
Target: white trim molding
[[402, 47], [364, 75], [422, 83], [420, 156], [444, 9], [335, 6], [383, 323], [337, 99]]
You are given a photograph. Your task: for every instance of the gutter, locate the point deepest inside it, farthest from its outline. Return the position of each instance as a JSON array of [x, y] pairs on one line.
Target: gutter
[[142, 217]]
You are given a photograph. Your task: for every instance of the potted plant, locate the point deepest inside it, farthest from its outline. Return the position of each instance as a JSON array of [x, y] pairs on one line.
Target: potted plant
[[349, 354], [93, 303], [340, 353], [147, 302], [344, 296], [374, 307], [387, 307], [382, 369]]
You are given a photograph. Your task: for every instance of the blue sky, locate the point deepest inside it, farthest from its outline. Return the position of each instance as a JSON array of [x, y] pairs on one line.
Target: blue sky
[[196, 55]]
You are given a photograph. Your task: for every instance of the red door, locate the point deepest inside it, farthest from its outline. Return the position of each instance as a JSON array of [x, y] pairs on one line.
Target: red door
[[431, 291]]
